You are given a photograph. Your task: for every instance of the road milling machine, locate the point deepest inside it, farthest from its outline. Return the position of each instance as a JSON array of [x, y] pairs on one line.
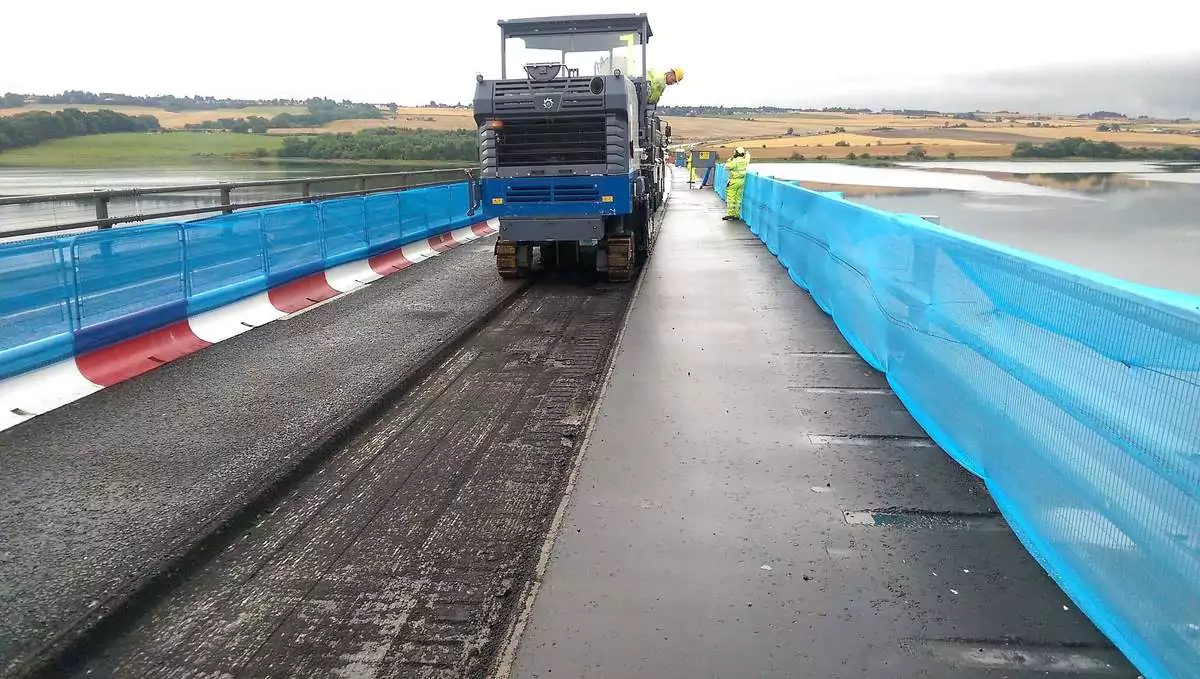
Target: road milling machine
[[571, 152]]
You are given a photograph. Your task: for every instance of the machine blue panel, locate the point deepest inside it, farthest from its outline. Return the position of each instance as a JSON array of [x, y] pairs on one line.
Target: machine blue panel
[[558, 196]]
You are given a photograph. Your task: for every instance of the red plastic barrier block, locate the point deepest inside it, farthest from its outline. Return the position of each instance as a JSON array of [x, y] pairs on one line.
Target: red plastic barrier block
[[132, 357], [442, 242], [301, 293], [389, 262]]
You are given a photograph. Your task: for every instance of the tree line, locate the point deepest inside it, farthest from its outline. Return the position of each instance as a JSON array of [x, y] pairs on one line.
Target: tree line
[[719, 111], [385, 144], [320, 112], [168, 102], [1078, 147], [35, 127]]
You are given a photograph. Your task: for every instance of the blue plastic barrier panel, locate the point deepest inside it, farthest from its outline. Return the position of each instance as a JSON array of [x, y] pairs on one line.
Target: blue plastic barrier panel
[[344, 229], [226, 260], [127, 282], [383, 221], [65, 296], [37, 293], [417, 214], [294, 245], [1076, 397]]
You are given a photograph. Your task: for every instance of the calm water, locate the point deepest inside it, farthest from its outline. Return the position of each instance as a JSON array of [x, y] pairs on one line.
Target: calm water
[[1134, 221], [1131, 220], [16, 181]]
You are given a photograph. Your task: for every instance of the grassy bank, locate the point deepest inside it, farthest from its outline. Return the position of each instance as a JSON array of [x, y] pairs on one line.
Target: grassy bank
[[387, 164], [132, 149], [168, 119]]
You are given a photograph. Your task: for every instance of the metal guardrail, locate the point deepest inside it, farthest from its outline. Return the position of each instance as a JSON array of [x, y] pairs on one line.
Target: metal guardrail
[[102, 199]]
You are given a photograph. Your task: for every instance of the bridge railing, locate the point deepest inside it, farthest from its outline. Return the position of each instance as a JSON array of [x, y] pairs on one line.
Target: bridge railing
[[105, 208], [1074, 396], [64, 296]]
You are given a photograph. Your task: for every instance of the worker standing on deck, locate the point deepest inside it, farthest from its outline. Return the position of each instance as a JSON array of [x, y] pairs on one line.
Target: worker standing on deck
[[736, 167], [659, 81]]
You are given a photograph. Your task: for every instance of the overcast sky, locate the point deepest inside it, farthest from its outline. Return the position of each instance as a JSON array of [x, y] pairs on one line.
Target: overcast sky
[[1028, 55]]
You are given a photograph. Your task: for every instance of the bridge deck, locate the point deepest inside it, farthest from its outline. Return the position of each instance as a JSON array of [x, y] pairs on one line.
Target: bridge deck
[[737, 432], [101, 494], [755, 502]]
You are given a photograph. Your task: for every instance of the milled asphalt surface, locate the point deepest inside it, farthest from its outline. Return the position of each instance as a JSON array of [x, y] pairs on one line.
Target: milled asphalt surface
[[404, 553], [95, 496], [754, 501]]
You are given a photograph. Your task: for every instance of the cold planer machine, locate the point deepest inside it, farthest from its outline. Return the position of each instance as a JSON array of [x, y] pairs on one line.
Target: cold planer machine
[[571, 154]]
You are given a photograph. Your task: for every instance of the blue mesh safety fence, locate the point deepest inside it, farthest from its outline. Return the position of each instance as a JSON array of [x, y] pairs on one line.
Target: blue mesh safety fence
[[345, 230], [226, 260], [382, 215], [127, 285], [67, 295], [1075, 397]]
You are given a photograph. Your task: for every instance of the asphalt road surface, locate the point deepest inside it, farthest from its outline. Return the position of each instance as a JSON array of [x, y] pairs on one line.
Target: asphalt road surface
[[366, 489], [754, 501], [100, 498]]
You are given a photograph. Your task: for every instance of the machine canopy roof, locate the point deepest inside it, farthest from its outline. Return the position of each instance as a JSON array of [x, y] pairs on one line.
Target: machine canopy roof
[[588, 33]]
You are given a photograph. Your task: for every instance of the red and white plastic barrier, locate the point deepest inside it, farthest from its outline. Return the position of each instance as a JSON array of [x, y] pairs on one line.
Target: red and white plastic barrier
[[39, 391]]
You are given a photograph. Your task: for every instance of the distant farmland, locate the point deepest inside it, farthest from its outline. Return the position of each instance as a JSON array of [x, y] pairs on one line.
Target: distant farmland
[[768, 136], [133, 149], [168, 119], [812, 135]]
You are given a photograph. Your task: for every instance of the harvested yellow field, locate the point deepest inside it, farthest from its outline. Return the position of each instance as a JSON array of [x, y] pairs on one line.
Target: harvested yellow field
[[170, 119], [1123, 138], [860, 140], [894, 135], [431, 119], [687, 129], [893, 150]]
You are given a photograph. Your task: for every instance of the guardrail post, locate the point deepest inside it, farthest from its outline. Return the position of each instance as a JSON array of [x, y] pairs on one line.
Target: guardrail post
[[102, 209], [306, 189], [362, 183], [226, 198]]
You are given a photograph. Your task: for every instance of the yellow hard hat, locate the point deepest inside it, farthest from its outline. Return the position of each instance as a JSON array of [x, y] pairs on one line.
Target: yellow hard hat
[[678, 74]]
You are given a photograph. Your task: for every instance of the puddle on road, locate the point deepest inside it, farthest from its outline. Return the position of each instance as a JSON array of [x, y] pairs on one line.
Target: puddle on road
[[918, 519]]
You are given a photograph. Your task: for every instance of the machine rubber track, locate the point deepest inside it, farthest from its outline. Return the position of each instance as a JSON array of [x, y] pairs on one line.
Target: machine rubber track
[[507, 262], [621, 258]]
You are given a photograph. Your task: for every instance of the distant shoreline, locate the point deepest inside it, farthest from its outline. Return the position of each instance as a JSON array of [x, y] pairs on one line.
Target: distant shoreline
[[137, 149]]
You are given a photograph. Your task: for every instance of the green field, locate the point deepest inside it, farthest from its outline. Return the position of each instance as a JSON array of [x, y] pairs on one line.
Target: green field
[[135, 148]]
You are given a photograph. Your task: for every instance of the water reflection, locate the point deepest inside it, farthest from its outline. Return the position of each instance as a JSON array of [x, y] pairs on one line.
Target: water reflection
[[1147, 235], [1135, 221]]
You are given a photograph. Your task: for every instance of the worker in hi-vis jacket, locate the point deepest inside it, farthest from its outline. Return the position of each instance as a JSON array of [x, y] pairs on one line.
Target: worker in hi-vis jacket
[[736, 167], [659, 81]]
